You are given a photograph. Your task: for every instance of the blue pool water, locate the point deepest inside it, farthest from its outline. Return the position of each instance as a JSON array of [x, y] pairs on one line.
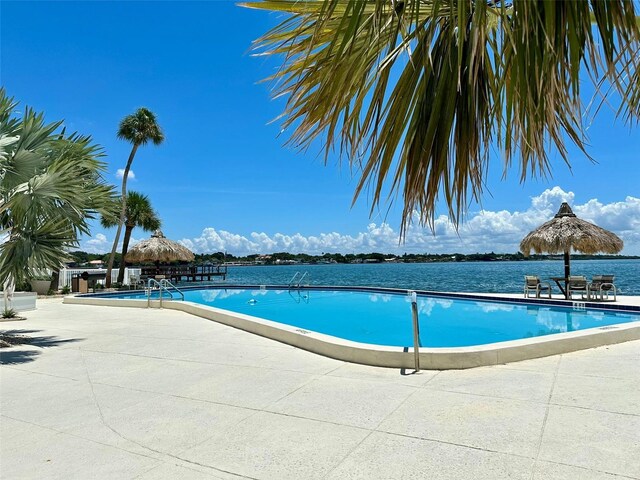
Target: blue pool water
[[385, 318]]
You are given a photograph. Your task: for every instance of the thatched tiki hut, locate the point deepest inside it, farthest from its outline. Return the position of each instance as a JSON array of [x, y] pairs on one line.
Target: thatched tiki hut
[[566, 232], [159, 249]]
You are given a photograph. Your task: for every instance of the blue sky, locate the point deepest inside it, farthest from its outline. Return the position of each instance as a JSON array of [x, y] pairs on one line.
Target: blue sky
[[222, 179]]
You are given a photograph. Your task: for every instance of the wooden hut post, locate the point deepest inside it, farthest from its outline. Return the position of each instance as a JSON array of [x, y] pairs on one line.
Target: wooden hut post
[[567, 272]]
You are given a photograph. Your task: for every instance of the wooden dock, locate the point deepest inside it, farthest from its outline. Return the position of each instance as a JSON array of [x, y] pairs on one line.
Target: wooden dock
[[185, 273]]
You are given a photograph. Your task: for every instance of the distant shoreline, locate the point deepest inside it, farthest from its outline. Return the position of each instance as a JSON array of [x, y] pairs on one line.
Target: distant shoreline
[[538, 258], [285, 258]]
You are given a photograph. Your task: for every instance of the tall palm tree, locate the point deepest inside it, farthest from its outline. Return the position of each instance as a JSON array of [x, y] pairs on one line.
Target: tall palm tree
[[51, 184], [138, 213], [417, 93], [139, 129]]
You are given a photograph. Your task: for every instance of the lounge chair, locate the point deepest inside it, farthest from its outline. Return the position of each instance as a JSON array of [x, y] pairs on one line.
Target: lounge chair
[[533, 284], [578, 283], [135, 282], [601, 285]]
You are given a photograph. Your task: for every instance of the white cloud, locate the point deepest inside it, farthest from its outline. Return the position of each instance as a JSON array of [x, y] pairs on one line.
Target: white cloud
[[96, 244], [497, 231], [99, 243], [120, 174], [551, 199]]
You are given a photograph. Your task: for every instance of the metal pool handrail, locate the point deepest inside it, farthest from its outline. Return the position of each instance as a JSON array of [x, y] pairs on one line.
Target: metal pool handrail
[[305, 274], [416, 329], [163, 284], [166, 283], [293, 279], [297, 279], [151, 283]]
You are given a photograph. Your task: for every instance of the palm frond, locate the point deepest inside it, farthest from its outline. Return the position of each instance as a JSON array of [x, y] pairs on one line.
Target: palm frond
[[138, 213], [416, 93], [140, 128], [50, 186]]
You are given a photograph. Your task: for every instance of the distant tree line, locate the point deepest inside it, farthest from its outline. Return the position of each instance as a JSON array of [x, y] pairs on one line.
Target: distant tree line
[[375, 257], [283, 258]]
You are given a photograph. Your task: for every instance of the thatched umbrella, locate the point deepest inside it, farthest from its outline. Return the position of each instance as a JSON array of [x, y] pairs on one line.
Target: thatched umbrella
[[565, 232], [159, 249]]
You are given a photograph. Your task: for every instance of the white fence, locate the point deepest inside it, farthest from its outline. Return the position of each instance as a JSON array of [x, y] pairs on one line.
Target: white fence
[[21, 301], [67, 273]]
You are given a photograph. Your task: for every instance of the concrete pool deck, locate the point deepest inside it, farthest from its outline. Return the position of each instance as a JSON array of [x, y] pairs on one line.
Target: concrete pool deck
[[632, 300], [111, 392]]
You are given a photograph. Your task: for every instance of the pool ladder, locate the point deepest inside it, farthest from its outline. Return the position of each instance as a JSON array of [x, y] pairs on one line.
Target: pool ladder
[[163, 284], [298, 296], [296, 280]]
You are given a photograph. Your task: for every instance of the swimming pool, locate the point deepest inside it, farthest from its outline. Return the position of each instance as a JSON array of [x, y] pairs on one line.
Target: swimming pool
[[385, 318], [374, 325]]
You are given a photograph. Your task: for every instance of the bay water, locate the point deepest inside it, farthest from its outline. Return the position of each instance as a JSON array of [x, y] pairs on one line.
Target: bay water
[[483, 277]]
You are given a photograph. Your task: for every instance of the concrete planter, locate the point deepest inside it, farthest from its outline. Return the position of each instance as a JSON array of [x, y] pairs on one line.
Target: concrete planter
[[22, 301], [41, 287]]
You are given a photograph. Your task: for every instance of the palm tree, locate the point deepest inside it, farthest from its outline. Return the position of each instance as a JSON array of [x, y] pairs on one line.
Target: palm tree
[[139, 129], [138, 213], [50, 186], [417, 93]]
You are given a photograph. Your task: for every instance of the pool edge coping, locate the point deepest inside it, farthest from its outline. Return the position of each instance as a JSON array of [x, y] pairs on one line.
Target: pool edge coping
[[442, 358]]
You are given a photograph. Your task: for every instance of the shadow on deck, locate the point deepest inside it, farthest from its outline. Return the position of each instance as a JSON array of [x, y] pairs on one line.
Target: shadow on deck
[[15, 353]]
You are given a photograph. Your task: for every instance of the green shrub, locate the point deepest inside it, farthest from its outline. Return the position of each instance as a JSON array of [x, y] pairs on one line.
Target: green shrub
[[66, 290], [9, 313], [42, 277]]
